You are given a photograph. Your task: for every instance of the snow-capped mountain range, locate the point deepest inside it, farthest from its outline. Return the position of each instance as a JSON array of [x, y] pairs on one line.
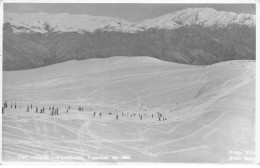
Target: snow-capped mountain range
[[198, 36], [64, 22]]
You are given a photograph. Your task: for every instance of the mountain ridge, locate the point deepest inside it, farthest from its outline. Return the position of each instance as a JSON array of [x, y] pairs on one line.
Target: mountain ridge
[[43, 22], [198, 36]]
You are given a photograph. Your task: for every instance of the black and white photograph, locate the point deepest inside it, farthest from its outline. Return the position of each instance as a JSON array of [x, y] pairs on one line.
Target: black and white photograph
[[129, 83]]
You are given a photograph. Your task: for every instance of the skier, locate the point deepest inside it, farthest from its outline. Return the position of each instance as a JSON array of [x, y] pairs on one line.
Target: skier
[[100, 114], [57, 111], [5, 105], [52, 112], [117, 116]]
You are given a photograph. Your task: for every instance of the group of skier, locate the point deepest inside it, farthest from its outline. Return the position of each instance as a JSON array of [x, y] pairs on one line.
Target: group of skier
[[141, 114]]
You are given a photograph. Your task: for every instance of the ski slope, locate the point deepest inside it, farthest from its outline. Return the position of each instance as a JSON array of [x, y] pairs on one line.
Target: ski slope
[[209, 112]]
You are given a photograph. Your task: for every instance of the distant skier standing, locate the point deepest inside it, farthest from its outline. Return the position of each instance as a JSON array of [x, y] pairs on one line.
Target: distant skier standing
[[57, 111]]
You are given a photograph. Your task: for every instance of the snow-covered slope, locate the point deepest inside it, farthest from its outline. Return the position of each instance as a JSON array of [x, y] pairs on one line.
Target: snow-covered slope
[[209, 111], [64, 22]]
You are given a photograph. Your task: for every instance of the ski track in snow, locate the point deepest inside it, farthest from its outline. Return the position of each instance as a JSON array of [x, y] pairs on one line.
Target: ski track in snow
[[76, 135]]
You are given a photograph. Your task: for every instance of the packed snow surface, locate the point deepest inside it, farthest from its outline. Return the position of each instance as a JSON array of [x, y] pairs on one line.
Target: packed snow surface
[[206, 112]]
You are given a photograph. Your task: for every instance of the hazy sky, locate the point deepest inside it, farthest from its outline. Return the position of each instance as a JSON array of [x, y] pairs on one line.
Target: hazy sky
[[129, 12]]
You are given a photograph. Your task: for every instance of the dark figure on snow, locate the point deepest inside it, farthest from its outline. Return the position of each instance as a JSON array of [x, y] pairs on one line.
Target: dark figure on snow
[[100, 114], [117, 116], [36, 109], [31, 106], [43, 109], [4, 105], [94, 114]]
